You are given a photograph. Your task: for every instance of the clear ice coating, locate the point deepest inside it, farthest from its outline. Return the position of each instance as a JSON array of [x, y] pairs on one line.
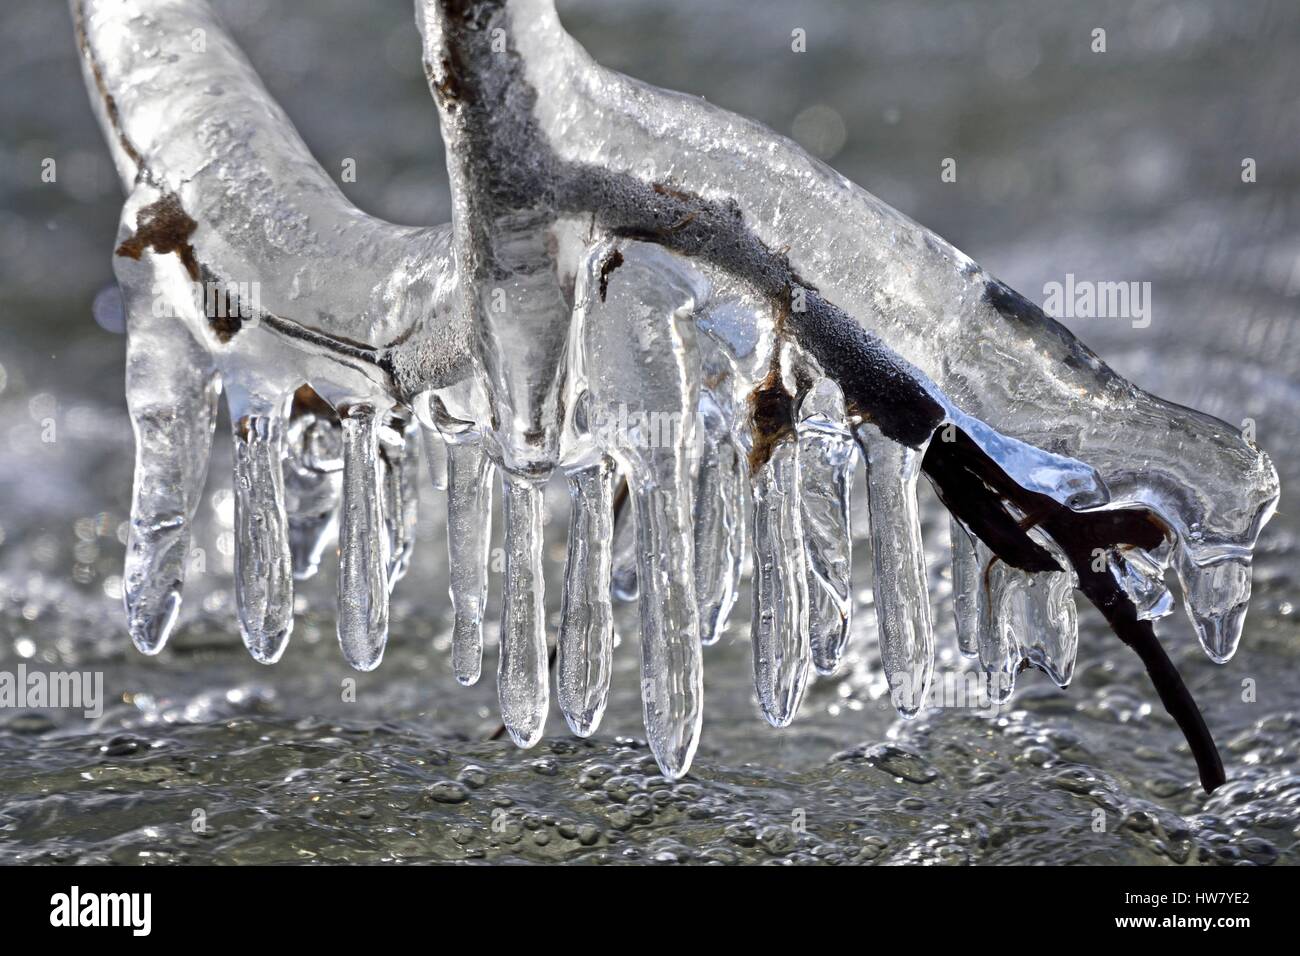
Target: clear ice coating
[[622, 268]]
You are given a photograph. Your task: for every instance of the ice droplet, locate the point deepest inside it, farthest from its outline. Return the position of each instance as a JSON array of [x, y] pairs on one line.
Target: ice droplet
[[586, 641], [779, 623], [263, 564], [522, 680], [469, 531], [899, 579], [827, 455], [363, 544]]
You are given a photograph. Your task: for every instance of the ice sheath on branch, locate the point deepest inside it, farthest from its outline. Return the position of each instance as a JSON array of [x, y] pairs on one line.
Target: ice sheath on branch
[[608, 281]]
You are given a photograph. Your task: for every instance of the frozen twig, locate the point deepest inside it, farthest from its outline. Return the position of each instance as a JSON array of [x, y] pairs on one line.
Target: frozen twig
[[608, 270]]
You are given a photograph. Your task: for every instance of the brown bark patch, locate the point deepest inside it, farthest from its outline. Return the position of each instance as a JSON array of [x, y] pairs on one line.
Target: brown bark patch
[[164, 227]]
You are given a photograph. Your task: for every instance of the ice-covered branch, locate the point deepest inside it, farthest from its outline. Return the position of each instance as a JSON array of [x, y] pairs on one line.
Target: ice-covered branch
[[621, 257]]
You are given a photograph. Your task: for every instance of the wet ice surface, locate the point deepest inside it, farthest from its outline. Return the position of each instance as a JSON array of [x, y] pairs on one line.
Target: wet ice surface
[[286, 770]]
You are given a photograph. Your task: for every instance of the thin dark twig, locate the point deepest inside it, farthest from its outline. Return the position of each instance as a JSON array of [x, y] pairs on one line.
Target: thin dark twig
[[975, 488], [1140, 635]]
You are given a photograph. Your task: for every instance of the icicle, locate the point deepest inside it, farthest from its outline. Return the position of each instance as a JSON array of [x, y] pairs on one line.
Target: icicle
[[313, 482], [1216, 594], [263, 565], [779, 624], [363, 544], [623, 577], [522, 684], [391, 454], [899, 581], [410, 489], [586, 641], [672, 682], [469, 532], [638, 343], [435, 456], [999, 620], [966, 585], [826, 458], [173, 411], [1015, 617], [400, 469], [1051, 637], [671, 671], [719, 522]]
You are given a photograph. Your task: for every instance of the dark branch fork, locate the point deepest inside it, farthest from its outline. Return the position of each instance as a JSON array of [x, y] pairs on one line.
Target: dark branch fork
[[514, 168]]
